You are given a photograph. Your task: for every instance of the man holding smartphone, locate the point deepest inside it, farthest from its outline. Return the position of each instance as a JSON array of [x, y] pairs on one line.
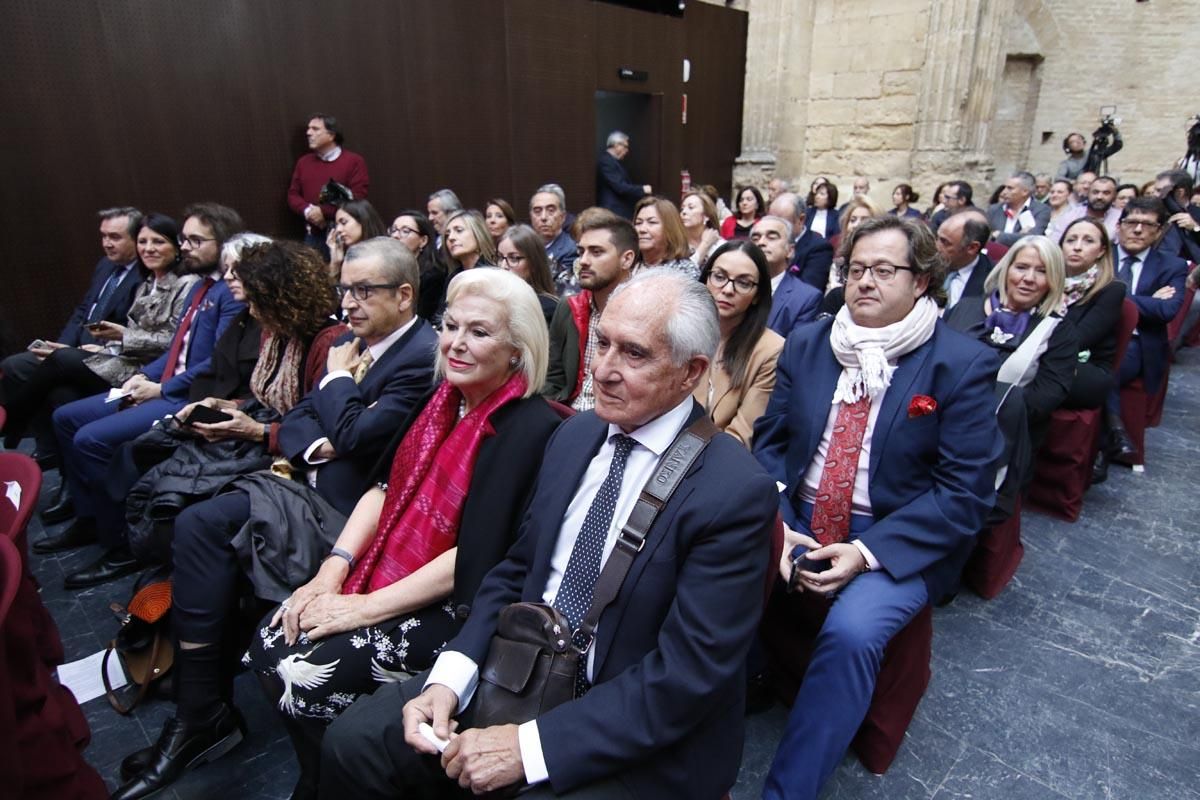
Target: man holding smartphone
[[115, 279]]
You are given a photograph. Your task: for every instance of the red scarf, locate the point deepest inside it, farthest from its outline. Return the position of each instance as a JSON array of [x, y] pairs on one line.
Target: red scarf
[[581, 311], [428, 486]]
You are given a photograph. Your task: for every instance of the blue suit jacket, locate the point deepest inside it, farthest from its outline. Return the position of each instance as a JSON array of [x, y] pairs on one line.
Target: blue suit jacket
[[812, 260], [217, 310], [932, 477], [665, 713], [359, 419], [1159, 269], [562, 251], [793, 304], [115, 307]]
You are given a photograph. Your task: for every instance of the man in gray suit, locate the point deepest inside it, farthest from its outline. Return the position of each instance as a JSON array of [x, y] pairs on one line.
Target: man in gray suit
[[1021, 215]]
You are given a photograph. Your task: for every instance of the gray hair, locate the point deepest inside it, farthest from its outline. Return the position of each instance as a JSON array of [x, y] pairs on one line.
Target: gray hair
[[691, 320], [130, 213], [525, 323], [554, 189], [617, 137], [795, 201], [787, 226], [398, 262], [236, 245], [1027, 180], [447, 199]]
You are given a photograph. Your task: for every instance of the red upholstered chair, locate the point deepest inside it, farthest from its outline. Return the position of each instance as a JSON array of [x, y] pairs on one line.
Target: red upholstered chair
[[997, 554], [1063, 470], [995, 251], [47, 728], [789, 631], [19, 468], [1176, 326]]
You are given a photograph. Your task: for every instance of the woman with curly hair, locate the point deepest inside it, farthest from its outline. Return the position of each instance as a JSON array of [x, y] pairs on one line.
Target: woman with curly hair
[[270, 356]]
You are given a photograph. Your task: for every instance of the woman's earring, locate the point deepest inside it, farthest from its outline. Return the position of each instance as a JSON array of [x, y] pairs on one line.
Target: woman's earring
[[514, 361]]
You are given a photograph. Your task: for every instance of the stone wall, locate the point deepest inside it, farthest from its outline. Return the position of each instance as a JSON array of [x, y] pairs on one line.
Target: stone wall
[[925, 90]]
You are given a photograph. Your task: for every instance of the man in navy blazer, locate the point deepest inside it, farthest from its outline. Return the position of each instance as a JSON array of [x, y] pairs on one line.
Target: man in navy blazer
[[812, 255], [614, 190], [1156, 285], [90, 430], [899, 508], [114, 281], [793, 302], [662, 716]]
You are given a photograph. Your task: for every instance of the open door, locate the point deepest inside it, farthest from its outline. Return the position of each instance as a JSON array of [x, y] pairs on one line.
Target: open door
[[639, 116]]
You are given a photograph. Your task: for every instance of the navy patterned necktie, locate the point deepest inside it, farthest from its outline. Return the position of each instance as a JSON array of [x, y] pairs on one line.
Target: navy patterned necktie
[[574, 596], [1125, 273]]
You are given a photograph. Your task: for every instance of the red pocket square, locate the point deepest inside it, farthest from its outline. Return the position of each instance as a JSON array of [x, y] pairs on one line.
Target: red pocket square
[[920, 405]]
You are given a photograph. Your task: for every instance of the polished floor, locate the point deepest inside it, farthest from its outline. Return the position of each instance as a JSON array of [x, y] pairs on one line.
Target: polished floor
[[1081, 680]]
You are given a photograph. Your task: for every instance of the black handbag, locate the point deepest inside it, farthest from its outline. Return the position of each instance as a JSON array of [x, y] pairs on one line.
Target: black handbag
[[532, 660]]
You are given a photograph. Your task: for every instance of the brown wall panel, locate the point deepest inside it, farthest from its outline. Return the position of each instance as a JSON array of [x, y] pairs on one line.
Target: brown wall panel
[[157, 104]]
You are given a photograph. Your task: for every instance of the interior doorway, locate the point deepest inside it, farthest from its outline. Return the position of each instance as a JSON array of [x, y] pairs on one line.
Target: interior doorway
[[640, 116]]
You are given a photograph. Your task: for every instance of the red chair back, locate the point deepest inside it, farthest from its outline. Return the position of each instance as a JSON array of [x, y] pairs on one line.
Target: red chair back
[[3, 413], [995, 251], [563, 410], [24, 472], [1175, 327], [1129, 320]]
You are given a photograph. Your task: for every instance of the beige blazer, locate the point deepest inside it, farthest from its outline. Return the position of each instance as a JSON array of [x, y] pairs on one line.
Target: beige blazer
[[736, 411]]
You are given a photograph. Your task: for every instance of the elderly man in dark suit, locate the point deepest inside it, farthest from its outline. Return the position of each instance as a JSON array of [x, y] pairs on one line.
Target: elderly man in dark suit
[[812, 255], [659, 710], [115, 279], [332, 438], [614, 190], [793, 302], [881, 434], [1019, 214], [961, 239]]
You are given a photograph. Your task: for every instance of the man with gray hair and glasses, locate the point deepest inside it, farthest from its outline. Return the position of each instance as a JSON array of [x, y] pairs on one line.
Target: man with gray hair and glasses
[[1019, 215], [547, 212], [670, 648], [614, 190]]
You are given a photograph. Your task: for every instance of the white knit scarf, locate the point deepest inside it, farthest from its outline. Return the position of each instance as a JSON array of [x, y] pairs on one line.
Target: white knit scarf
[[864, 353]]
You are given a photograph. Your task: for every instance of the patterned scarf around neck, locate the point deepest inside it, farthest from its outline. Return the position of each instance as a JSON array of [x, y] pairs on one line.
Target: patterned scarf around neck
[[427, 486], [864, 353], [275, 381], [1004, 325], [1079, 285]]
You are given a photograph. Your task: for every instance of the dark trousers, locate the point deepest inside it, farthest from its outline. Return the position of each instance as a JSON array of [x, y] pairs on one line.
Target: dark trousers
[[364, 755], [205, 567], [1091, 388], [35, 388]]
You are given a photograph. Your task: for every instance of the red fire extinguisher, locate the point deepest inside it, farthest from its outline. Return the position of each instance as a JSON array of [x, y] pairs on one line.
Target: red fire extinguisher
[[685, 182]]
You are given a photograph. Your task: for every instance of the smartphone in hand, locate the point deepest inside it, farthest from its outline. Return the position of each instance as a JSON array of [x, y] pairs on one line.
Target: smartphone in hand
[[206, 416]]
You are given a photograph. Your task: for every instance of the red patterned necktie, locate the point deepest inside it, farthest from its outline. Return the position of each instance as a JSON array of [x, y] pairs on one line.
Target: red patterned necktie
[[831, 509], [181, 334]]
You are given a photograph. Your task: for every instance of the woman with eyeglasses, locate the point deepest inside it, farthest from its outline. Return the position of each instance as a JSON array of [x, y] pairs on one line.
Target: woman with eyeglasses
[[414, 230], [742, 373], [499, 216], [355, 221], [523, 253], [1021, 317], [71, 373]]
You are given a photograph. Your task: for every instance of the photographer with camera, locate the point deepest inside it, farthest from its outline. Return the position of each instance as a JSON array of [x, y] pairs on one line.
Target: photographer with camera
[[1106, 141], [1190, 163], [1182, 235]]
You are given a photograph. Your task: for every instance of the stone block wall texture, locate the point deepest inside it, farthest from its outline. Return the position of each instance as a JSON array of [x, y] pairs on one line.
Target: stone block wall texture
[[921, 91]]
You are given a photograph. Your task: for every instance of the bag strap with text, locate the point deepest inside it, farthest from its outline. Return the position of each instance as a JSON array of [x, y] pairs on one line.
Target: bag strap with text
[[675, 463]]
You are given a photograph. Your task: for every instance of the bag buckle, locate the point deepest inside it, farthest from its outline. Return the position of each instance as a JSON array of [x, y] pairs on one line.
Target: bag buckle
[[631, 542], [583, 650]]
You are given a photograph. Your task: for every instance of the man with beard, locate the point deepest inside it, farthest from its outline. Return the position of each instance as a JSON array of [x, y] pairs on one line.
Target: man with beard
[[1099, 206], [607, 250], [90, 430]]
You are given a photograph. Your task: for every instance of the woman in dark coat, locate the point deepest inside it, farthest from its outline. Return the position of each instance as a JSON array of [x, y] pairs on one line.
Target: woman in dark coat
[[1094, 300]]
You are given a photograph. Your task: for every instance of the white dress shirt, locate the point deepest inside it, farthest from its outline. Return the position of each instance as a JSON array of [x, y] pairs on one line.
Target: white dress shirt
[[1135, 269], [181, 365], [820, 221], [459, 673], [957, 282]]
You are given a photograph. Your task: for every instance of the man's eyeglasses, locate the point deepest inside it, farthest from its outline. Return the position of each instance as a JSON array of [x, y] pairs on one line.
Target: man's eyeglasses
[[882, 272], [403, 230], [742, 285], [362, 291], [510, 260], [195, 241], [1132, 224]]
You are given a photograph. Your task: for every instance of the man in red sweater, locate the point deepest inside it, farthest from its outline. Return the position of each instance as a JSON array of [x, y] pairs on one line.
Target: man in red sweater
[[327, 161]]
